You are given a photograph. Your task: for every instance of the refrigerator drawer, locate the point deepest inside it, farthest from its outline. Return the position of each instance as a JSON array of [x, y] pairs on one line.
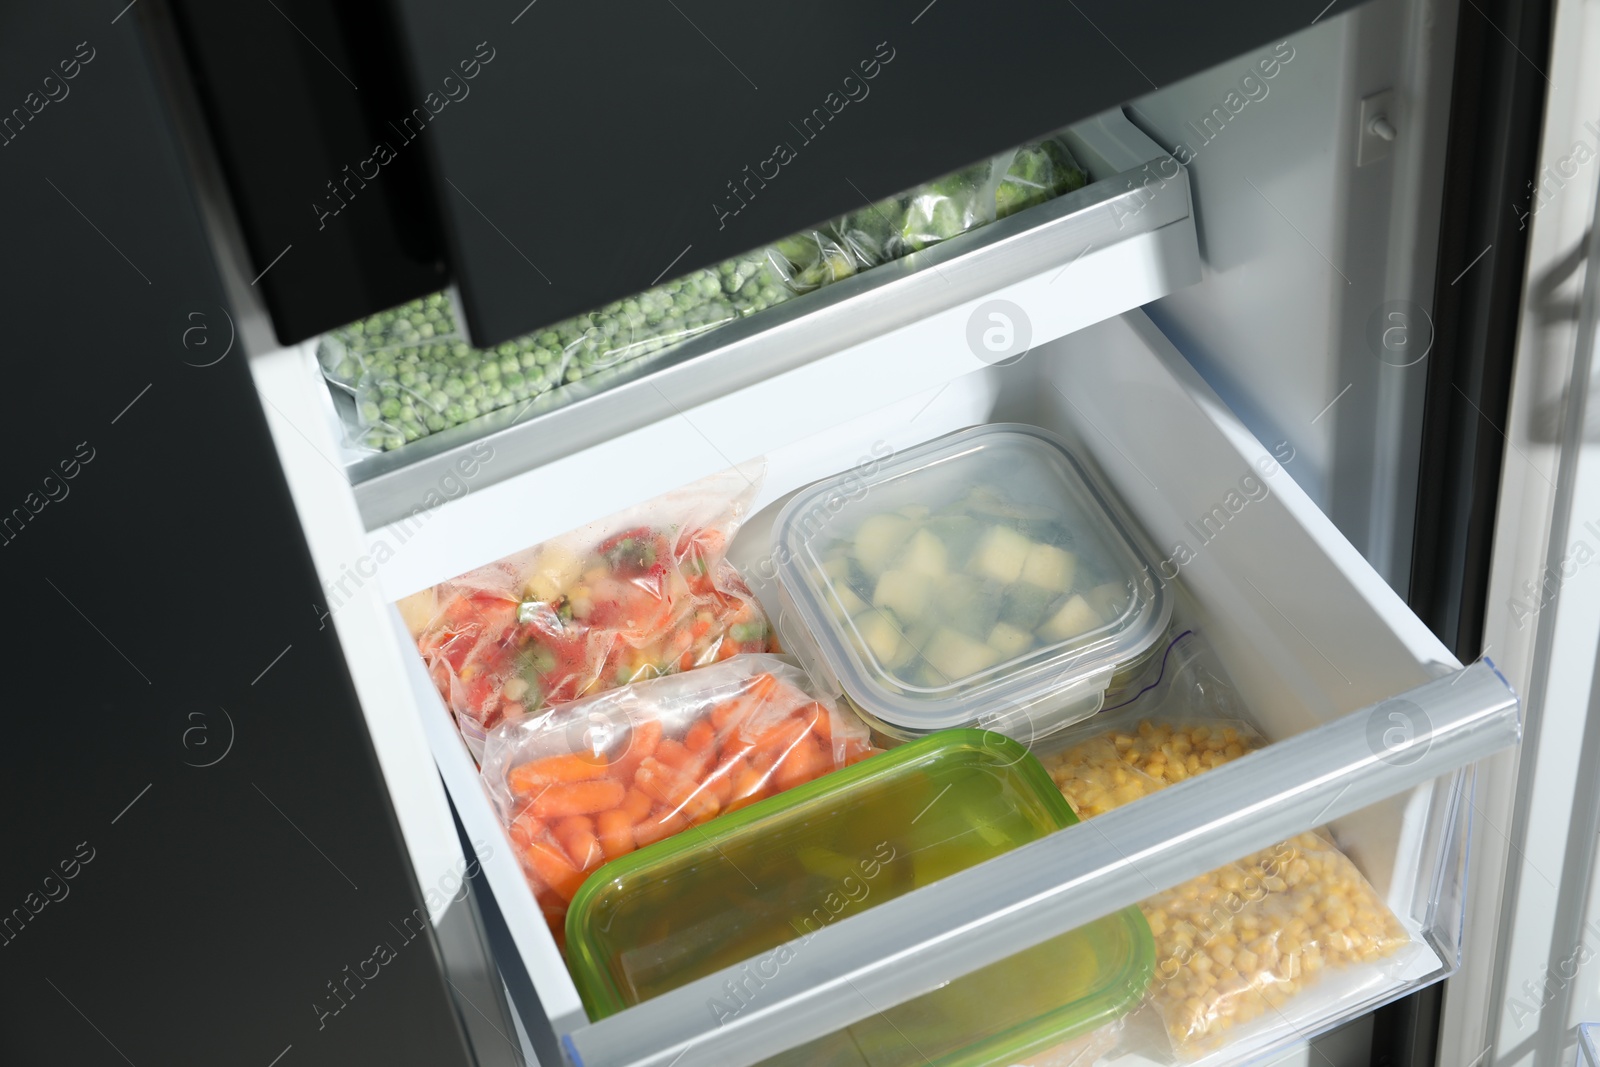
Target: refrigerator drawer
[[1370, 717], [1125, 239]]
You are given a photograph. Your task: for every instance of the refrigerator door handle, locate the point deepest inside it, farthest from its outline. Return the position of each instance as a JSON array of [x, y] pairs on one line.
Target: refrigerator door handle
[[911, 945]]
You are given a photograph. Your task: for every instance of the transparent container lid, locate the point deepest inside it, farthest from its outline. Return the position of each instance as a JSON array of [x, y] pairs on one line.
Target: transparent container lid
[[752, 881], [978, 578]]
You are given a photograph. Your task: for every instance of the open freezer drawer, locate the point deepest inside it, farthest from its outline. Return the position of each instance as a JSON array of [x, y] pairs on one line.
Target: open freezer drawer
[[1123, 240], [1307, 630]]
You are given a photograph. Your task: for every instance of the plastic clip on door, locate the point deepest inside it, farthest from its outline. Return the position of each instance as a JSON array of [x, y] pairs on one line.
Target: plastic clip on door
[[909, 946]]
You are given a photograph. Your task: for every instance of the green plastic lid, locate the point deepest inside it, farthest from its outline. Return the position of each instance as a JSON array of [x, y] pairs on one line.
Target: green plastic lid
[[781, 869]]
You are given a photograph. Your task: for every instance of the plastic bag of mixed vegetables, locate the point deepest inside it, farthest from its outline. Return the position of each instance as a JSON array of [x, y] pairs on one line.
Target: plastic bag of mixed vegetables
[[643, 593], [593, 780]]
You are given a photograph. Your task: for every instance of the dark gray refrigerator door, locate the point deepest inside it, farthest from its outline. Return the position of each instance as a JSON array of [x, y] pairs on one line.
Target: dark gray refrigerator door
[[201, 864], [575, 153]]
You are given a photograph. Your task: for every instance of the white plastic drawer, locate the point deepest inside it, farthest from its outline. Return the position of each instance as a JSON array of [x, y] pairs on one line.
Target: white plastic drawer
[[1306, 629]]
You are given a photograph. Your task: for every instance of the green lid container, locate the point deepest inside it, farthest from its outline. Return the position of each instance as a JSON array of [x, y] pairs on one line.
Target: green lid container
[[782, 869]]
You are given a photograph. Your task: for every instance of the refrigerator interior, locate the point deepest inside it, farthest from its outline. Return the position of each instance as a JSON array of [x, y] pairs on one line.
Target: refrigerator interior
[[1268, 353]]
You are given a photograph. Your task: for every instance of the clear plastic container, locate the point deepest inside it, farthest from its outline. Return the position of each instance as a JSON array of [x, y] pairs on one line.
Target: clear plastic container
[[756, 879], [978, 579]]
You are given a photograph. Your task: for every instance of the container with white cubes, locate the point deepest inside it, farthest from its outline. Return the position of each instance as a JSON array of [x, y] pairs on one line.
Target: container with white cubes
[[979, 579]]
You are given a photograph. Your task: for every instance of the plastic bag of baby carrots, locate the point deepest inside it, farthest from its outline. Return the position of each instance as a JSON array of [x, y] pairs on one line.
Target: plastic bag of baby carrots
[[597, 778]]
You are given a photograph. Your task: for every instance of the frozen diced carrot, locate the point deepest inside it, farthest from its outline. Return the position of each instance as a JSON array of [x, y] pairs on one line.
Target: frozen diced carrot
[[553, 868], [576, 835], [530, 778], [616, 833], [578, 798]]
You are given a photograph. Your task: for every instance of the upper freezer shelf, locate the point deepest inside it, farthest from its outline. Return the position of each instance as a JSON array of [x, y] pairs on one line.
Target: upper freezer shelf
[[402, 384]]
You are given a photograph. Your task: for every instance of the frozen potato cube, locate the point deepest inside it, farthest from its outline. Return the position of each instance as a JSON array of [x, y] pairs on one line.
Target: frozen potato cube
[[1009, 641], [879, 538], [837, 568], [852, 604], [1049, 567], [552, 573], [1109, 600], [915, 512], [1075, 617], [959, 533], [956, 656], [906, 593], [883, 639], [925, 554], [1000, 554]]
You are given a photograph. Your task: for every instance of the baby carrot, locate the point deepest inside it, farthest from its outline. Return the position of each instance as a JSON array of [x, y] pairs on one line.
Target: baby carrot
[[553, 869], [700, 737], [576, 834], [776, 741], [636, 805], [530, 778], [616, 832], [642, 742], [657, 827], [855, 751], [672, 753], [665, 785], [525, 827], [802, 763], [578, 798], [821, 722], [700, 806], [749, 786]]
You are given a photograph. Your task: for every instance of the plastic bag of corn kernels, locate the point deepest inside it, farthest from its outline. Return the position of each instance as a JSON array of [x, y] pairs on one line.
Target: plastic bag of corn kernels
[[1237, 942]]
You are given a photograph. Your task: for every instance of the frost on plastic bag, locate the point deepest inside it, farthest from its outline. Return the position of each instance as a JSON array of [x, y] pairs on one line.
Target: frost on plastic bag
[[1038, 171], [948, 207], [593, 780], [643, 593], [1239, 941]]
